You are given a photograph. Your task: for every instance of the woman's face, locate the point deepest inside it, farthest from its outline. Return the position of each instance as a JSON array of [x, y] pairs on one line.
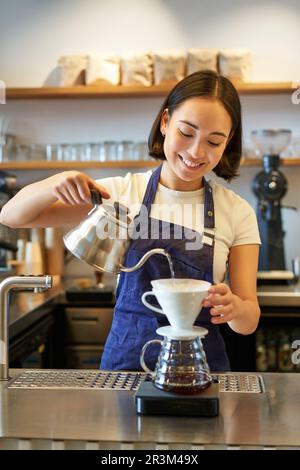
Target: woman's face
[[196, 136]]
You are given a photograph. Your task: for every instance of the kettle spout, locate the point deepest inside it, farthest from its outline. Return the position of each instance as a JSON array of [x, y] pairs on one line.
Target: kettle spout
[[155, 251]]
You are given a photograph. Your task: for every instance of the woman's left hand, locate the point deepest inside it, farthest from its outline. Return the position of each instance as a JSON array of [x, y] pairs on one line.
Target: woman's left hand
[[225, 305]]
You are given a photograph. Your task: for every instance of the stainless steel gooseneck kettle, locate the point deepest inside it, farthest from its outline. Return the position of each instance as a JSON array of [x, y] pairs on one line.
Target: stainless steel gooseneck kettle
[[102, 238]]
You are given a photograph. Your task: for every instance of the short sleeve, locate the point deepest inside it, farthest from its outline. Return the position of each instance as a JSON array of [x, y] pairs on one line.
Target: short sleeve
[[246, 226], [128, 190], [115, 185]]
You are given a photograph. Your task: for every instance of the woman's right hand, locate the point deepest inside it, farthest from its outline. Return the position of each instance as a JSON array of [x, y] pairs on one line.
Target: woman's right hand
[[74, 187]]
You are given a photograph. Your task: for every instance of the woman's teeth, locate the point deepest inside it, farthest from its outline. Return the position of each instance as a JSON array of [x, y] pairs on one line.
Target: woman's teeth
[[190, 164]]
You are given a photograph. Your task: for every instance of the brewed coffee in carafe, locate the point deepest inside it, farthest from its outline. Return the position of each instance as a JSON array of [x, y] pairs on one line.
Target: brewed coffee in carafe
[[182, 365]]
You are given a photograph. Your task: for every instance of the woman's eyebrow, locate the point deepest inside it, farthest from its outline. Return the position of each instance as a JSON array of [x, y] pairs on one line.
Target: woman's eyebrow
[[196, 127], [218, 133], [190, 124]]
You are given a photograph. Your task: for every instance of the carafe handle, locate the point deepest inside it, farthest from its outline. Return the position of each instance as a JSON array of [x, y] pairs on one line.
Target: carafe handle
[[155, 309], [142, 359]]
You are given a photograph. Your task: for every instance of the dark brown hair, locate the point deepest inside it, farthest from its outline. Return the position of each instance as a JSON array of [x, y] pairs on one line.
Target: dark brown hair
[[208, 84]]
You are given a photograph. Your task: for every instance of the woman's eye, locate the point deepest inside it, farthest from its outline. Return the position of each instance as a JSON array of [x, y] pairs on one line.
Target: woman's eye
[[213, 144], [184, 134]]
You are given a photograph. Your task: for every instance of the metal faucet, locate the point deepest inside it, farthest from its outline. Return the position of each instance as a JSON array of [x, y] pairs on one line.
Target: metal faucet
[[38, 284]]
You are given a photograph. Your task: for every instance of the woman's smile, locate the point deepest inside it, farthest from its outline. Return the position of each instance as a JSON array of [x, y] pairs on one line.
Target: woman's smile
[[196, 134], [190, 164]]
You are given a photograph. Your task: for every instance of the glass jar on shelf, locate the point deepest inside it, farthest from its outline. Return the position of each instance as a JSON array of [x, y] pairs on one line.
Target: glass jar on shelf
[[140, 151], [49, 151], [110, 150], [2, 149], [60, 152], [20, 153], [70, 153], [85, 152], [125, 150], [97, 152], [37, 152], [7, 147]]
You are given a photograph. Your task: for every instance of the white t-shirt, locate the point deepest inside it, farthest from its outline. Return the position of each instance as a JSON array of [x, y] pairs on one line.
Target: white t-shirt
[[235, 219]]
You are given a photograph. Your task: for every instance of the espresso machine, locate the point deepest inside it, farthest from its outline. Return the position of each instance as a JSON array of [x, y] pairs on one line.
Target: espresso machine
[[270, 186]]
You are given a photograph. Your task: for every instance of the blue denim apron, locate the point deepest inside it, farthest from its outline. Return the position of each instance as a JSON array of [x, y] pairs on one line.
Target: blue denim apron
[[133, 323]]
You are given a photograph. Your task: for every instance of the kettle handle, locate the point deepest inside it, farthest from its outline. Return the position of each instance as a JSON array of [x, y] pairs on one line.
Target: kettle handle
[[142, 358], [96, 197]]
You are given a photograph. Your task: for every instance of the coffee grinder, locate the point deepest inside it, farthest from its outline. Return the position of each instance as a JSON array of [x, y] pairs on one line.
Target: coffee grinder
[[270, 186]]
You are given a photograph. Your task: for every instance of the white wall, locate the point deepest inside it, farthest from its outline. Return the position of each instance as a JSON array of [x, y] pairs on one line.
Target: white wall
[[34, 33]]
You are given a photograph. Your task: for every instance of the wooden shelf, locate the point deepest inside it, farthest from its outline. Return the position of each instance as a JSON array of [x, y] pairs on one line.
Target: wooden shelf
[[43, 165], [284, 162], [79, 92]]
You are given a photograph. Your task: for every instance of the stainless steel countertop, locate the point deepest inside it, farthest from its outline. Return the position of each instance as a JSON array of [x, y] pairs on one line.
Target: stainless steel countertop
[[277, 296], [109, 417]]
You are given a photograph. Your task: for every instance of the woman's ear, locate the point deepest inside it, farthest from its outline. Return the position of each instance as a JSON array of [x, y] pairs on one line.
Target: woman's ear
[[164, 121]]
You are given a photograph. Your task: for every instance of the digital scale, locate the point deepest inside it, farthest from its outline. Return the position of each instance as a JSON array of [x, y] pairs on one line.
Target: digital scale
[[149, 400]]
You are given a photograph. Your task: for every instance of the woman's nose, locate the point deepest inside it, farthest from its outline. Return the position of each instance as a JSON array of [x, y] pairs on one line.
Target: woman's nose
[[198, 150]]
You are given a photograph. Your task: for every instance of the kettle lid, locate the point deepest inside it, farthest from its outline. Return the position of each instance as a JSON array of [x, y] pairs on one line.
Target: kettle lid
[[117, 212]]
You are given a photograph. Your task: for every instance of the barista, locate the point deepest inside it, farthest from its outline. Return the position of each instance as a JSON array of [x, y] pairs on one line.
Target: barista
[[197, 130]]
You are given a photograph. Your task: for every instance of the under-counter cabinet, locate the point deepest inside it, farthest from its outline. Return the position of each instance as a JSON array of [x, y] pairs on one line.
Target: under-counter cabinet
[[60, 335], [86, 330]]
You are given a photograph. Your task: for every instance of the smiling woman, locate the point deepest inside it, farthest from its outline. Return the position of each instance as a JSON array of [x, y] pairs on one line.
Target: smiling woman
[[192, 147], [197, 130], [199, 125]]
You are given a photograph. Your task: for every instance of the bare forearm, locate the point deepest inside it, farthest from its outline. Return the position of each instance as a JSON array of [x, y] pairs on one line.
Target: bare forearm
[[60, 200], [247, 315], [28, 204]]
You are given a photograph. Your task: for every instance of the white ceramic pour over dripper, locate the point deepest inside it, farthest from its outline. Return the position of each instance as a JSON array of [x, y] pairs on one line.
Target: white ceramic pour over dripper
[[181, 301]]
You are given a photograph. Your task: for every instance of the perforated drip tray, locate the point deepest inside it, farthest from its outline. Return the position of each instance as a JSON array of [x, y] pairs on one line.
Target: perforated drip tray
[[105, 380]]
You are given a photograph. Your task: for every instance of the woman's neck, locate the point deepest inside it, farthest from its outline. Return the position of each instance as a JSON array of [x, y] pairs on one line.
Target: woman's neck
[[170, 180]]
